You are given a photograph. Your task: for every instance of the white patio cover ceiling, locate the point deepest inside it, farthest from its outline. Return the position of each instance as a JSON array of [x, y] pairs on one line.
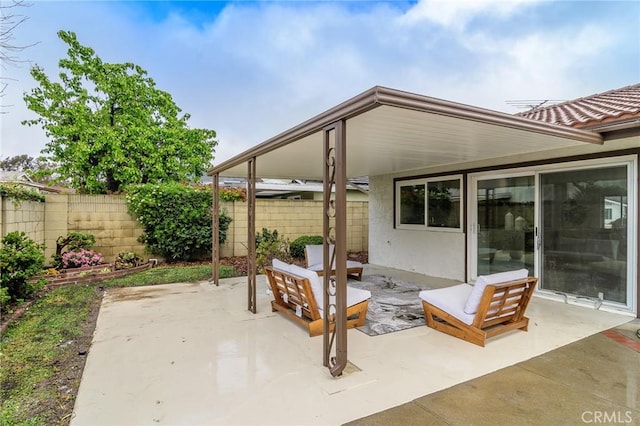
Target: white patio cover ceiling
[[392, 131]]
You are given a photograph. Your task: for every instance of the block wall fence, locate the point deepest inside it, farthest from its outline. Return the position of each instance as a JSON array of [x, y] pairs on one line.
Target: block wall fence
[[106, 217], [292, 218]]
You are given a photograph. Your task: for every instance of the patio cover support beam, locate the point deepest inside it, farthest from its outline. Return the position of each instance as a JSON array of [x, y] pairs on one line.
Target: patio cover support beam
[[215, 252], [335, 231], [251, 234]]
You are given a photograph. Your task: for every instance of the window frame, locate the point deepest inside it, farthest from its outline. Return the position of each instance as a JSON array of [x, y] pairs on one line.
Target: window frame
[[426, 181]]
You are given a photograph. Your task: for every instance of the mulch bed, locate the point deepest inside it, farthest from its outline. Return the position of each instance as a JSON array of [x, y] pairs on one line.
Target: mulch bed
[[241, 263]]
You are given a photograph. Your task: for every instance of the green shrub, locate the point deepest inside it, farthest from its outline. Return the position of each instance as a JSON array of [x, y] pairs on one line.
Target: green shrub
[[296, 248], [127, 260], [19, 194], [271, 247], [177, 219], [4, 296], [20, 259], [74, 241], [266, 235]]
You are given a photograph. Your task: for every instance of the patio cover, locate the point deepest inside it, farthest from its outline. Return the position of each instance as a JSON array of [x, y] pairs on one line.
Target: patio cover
[[389, 131], [378, 132]]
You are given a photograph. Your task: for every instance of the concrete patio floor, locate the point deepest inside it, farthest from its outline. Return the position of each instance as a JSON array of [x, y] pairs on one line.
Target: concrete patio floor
[[192, 354]]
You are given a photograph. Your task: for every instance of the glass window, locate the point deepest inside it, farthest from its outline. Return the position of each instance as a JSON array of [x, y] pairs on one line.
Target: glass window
[[427, 203], [444, 203], [412, 204]]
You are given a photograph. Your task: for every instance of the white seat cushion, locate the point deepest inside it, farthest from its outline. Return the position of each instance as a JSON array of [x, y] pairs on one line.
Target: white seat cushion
[[354, 295], [471, 305], [450, 300]]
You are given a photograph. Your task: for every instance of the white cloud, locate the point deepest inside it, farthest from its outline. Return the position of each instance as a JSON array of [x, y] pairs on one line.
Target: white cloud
[[257, 69], [457, 13]]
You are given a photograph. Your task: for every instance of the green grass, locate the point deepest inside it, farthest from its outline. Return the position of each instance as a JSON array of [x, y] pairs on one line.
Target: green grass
[[32, 347], [166, 275]]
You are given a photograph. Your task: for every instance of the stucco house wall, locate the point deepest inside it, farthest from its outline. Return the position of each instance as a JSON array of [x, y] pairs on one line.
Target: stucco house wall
[[442, 254]]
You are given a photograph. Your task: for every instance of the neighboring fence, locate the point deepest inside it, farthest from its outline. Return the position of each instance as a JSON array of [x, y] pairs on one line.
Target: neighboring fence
[[292, 218], [25, 216], [106, 217]]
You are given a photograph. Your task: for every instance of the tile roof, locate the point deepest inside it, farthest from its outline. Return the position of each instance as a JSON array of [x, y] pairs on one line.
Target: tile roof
[[603, 108]]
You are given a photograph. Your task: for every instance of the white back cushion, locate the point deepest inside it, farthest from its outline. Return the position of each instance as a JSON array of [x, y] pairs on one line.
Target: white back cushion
[[471, 307], [314, 280], [280, 265], [314, 253]]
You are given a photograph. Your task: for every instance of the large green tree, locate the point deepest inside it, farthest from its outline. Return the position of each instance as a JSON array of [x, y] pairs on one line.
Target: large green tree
[[109, 126]]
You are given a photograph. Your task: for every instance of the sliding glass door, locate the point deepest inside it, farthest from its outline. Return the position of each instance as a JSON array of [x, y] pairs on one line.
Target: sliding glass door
[[568, 224], [585, 216], [505, 224]]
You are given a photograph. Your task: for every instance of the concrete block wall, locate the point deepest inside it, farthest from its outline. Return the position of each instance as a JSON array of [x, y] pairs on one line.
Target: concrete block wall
[[25, 216], [292, 219], [104, 216]]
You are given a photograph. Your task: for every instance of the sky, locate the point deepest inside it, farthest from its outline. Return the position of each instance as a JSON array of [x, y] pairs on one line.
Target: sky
[[252, 69]]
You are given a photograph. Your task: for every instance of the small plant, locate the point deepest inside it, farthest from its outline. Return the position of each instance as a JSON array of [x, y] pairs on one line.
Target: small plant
[[270, 248], [266, 235], [81, 258], [20, 259], [296, 248], [127, 260], [4, 296], [74, 241]]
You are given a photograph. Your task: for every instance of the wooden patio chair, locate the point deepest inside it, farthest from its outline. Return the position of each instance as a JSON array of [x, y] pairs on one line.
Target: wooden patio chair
[[313, 260], [496, 304], [298, 295]]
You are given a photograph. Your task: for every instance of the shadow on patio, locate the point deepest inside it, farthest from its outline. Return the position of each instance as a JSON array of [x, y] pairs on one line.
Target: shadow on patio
[[193, 354]]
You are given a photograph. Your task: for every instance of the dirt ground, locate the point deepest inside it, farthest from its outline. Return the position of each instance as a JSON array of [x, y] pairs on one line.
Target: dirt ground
[[69, 368], [70, 365], [240, 263]]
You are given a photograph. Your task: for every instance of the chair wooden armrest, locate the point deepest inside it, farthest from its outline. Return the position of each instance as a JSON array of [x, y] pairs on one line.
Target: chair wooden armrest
[[294, 298], [501, 309]]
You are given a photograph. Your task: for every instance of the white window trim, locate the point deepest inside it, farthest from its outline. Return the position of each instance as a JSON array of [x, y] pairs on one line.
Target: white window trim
[[425, 181]]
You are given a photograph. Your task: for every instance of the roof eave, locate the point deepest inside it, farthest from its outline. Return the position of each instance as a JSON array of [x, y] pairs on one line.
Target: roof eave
[[354, 106], [378, 96], [614, 126]]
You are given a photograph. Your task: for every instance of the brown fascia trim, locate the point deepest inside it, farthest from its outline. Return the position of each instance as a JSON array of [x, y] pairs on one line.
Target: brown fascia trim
[[378, 96], [604, 128], [352, 107]]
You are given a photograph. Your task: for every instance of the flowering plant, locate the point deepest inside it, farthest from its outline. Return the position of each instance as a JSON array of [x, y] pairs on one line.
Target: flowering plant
[[80, 258]]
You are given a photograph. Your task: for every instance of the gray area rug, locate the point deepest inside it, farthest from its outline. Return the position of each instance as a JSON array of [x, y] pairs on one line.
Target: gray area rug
[[394, 304]]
